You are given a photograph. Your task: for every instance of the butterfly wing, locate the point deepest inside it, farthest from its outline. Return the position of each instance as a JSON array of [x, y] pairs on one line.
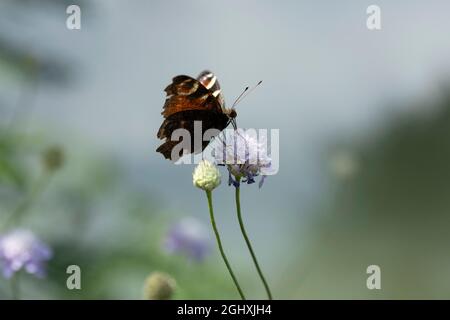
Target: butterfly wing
[[189, 100], [186, 93], [210, 82]]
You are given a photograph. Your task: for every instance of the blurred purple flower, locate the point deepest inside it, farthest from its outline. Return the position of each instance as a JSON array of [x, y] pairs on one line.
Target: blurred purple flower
[[189, 237], [21, 249], [245, 157]]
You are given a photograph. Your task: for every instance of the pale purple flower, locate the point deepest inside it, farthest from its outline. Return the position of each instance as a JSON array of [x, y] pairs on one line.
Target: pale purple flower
[[21, 249], [245, 157], [189, 237]]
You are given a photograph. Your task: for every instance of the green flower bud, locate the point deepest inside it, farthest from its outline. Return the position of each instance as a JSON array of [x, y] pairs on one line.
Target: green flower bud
[[53, 158], [206, 176], [159, 286]]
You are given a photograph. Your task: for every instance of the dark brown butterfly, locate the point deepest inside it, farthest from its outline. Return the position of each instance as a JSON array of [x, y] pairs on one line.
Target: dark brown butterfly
[[190, 100]]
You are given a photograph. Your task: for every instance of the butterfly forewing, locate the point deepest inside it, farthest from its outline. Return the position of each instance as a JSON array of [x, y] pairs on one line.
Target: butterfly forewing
[[186, 93], [210, 82]]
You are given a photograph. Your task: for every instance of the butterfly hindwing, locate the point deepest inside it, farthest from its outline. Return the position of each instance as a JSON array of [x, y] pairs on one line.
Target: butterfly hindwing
[[186, 120]]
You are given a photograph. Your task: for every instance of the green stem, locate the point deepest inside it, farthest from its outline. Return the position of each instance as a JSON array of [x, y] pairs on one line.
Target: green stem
[[249, 245], [219, 243], [15, 287], [27, 203]]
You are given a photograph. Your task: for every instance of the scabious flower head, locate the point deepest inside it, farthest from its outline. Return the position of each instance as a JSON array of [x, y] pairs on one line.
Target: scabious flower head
[[206, 176], [189, 237], [21, 249], [245, 157], [159, 286]]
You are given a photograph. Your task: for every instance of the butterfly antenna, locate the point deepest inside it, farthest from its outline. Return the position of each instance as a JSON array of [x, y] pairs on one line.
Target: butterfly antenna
[[239, 97], [247, 92]]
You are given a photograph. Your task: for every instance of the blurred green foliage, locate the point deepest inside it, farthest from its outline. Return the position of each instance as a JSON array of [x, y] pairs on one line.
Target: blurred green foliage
[[91, 214], [393, 212]]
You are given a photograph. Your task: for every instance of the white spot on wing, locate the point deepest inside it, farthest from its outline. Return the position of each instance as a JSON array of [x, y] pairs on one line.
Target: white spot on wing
[[211, 82], [190, 90]]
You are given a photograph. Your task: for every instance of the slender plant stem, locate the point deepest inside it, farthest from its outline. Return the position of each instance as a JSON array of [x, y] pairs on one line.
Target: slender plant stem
[[25, 102], [219, 243], [28, 202], [249, 245], [15, 286]]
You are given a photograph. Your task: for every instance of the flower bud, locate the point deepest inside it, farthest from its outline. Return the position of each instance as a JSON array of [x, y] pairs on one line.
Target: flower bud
[[206, 176], [159, 286], [53, 158]]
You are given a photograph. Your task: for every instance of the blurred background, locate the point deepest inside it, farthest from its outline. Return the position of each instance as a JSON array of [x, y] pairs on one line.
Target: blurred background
[[364, 119]]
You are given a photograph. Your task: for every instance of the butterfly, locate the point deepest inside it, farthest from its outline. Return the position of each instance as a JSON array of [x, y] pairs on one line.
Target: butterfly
[[189, 100]]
